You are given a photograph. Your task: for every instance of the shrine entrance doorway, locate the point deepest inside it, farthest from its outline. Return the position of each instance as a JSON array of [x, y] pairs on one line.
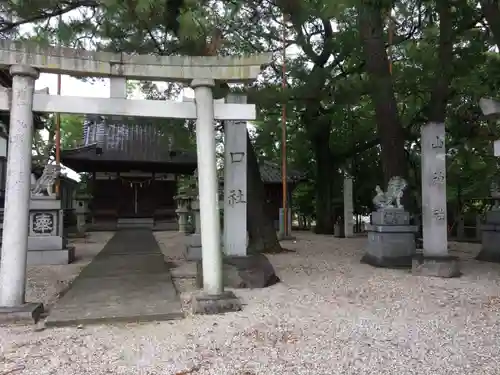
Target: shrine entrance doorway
[[136, 198]]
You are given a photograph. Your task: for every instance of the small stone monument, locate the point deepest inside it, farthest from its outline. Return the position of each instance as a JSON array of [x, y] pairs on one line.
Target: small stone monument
[[193, 241], [182, 211], [46, 241], [490, 230], [81, 203], [391, 238]]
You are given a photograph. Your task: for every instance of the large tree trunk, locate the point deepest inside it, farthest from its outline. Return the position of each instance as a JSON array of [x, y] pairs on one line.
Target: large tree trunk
[[261, 233], [324, 182], [440, 91], [491, 12], [377, 66]]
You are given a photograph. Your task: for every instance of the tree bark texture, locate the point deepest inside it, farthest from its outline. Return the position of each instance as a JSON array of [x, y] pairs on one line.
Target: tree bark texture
[[261, 233], [325, 217], [389, 127]]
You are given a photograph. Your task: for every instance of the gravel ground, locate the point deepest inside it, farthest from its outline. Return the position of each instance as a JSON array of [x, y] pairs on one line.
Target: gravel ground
[[330, 315], [44, 283]]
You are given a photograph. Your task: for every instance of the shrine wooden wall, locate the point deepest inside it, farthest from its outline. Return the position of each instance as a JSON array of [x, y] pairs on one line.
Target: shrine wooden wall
[[133, 197]]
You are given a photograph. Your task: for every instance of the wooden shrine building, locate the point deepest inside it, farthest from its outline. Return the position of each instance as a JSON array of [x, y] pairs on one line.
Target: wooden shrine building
[[271, 176], [132, 170]]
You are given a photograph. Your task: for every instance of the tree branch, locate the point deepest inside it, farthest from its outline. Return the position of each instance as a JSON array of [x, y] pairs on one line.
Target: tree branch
[[6, 26]]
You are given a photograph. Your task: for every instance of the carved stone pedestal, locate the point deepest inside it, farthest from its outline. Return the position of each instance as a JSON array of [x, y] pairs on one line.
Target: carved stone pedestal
[[391, 239], [46, 242], [490, 238]]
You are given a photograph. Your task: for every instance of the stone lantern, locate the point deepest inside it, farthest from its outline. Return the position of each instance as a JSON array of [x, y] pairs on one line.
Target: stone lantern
[[182, 211], [81, 205]]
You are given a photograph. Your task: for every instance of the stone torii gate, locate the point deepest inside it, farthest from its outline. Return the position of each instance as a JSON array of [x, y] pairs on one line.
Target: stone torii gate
[[26, 61]]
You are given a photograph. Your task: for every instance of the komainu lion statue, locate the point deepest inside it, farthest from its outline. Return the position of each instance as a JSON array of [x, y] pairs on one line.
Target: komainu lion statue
[[392, 197], [46, 182]]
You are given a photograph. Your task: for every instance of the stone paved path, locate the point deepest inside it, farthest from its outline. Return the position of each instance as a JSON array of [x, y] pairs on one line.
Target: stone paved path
[[128, 281]]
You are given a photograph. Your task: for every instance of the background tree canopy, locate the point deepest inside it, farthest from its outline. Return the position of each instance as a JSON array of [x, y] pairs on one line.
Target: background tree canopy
[[362, 78]]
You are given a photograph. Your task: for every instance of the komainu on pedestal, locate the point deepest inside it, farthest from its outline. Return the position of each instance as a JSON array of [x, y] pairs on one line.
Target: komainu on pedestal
[[47, 243], [391, 238], [44, 185]]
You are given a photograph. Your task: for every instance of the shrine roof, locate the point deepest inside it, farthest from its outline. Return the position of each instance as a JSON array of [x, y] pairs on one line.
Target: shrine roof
[[92, 158], [271, 173]]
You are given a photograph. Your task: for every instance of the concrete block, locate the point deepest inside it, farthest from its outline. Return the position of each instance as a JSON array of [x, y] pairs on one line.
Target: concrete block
[[51, 257], [25, 313], [45, 203], [390, 246], [45, 243], [206, 304], [445, 266], [391, 228], [493, 217], [490, 239], [193, 247], [390, 216]]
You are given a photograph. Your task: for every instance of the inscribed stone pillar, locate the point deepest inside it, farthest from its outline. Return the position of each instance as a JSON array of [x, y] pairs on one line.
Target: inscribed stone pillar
[[435, 260], [17, 192], [235, 184], [195, 206], [434, 222], [348, 208]]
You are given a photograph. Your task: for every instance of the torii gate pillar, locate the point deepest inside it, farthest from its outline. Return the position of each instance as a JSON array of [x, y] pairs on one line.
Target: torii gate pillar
[[17, 198], [213, 299]]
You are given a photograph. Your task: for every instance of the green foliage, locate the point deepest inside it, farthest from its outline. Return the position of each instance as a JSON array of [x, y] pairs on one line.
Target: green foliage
[[327, 94], [44, 140]]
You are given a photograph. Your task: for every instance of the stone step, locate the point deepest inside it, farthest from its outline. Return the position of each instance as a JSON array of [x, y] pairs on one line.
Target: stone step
[[133, 222]]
